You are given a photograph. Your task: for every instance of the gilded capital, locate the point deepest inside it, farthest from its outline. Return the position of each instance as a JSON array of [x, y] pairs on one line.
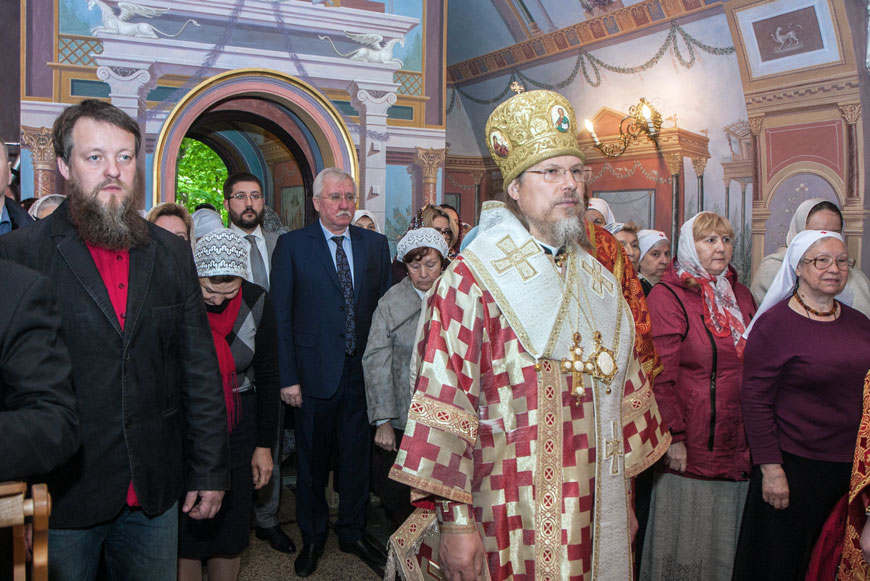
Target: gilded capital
[[429, 160], [851, 113], [38, 140], [674, 162], [755, 124], [699, 163]]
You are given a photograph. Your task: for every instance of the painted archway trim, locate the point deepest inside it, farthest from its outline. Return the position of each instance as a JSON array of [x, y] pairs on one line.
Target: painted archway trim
[[819, 169], [314, 110]]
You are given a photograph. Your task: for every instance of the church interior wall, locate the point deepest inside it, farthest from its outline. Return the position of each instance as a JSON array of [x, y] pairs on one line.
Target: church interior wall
[[692, 68]]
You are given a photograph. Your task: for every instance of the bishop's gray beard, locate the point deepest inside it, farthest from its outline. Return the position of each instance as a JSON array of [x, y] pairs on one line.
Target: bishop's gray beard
[[570, 230], [116, 225]]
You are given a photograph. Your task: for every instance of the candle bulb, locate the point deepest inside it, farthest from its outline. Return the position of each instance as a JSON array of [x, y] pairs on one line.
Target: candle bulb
[[591, 131], [648, 116]]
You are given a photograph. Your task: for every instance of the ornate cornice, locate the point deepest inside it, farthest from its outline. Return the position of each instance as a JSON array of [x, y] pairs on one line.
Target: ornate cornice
[[643, 15], [806, 95]]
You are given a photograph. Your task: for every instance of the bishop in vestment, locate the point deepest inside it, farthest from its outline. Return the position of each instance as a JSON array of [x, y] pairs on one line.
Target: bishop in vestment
[[533, 404]]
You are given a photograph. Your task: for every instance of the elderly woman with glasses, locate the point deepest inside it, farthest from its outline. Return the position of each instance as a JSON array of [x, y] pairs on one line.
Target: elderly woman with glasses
[[804, 366]]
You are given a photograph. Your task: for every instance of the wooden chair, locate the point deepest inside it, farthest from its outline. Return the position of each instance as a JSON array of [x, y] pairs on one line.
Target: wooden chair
[[16, 511]]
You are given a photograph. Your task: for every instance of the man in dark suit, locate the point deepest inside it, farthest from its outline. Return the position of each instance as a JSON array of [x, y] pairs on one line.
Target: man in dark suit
[[246, 207], [326, 282], [38, 418], [152, 415], [12, 216]]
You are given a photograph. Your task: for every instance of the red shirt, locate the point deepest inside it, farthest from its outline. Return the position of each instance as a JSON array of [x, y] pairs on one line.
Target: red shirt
[[114, 269]]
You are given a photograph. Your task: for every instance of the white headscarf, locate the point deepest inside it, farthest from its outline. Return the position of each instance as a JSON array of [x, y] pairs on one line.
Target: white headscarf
[[646, 239], [603, 207], [205, 221], [784, 282], [722, 315], [360, 213], [799, 220]]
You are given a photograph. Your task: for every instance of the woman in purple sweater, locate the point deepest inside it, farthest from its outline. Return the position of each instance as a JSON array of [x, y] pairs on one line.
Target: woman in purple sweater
[[804, 366]]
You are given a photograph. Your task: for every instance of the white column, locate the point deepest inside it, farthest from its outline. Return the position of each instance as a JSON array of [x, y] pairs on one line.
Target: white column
[[129, 88], [372, 102]]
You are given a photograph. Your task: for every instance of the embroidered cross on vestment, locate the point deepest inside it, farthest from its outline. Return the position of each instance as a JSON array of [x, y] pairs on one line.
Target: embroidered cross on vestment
[[599, 283], [613, 449], [516, 257]]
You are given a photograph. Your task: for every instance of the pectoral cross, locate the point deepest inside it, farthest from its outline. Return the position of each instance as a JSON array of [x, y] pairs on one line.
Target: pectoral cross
[[601, 365], [613, 449], [516, 257], [576, 367]]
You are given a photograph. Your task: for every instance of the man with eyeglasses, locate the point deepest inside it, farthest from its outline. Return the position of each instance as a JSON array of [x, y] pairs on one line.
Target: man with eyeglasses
[[533, 406], [246, 207], [327, 279]]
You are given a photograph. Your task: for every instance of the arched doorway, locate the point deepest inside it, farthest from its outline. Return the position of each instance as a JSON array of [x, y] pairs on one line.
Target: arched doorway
[[263, 122]]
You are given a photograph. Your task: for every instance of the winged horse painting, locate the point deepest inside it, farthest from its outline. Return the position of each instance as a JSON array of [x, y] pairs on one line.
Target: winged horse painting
[[120, 23]]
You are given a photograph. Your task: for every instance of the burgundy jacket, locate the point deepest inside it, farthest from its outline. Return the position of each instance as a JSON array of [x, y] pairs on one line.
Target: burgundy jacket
[[698, 392]]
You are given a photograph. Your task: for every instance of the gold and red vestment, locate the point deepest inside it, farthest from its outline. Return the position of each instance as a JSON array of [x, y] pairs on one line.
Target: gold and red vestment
[[541, 458]]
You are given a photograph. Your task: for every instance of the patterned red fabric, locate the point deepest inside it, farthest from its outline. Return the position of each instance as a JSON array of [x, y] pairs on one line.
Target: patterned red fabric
[[608, 251], [853, 566]]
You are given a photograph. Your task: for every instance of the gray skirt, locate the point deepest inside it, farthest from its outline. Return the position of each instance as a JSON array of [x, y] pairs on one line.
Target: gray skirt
[[693, 528]]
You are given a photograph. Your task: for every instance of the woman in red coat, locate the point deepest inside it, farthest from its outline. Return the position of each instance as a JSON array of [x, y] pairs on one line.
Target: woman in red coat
[[699, 312]]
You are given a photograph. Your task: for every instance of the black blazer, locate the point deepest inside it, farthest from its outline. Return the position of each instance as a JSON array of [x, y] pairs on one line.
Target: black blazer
[[39, 426], [309, 304], [150, 398]]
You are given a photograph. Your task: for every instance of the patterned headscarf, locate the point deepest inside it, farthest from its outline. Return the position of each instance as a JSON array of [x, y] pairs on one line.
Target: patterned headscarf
[[421, 238], [221, 252], [615, 227], [722, 314]]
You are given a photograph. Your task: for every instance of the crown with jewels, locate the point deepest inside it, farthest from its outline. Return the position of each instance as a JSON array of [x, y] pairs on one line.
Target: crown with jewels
[[529, 128]]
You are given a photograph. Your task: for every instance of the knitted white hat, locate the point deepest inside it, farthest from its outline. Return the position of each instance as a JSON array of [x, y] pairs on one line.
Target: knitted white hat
[[221, 252], [419, 238]]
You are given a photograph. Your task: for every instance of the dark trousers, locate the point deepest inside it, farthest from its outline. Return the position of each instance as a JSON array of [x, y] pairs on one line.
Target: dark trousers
[[342, 417], [776, 544], [395, 496]]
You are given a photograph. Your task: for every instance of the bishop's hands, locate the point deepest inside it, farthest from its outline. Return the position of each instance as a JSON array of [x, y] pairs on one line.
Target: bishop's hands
[[461, 556]]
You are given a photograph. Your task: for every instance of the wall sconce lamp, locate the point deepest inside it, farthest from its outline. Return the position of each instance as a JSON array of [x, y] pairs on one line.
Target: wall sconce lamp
[[642, 119]]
